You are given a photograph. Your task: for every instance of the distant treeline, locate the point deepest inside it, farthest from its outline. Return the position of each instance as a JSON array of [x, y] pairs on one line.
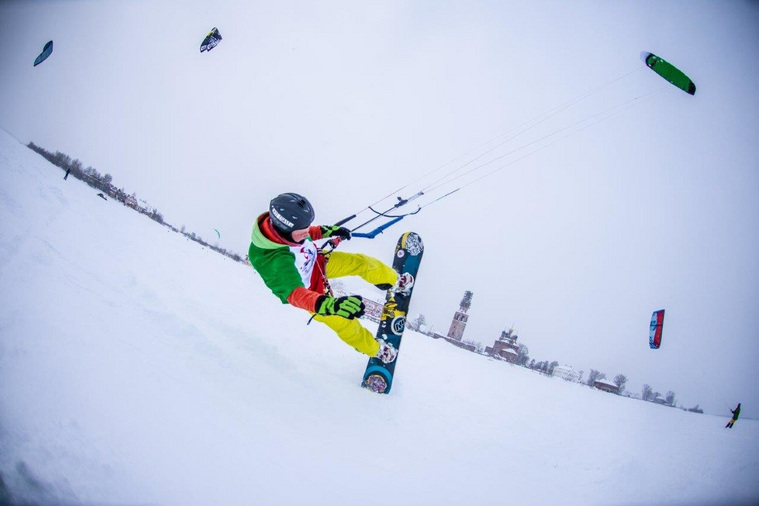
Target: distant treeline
[[75, 168], [519, 354], [104, 183]]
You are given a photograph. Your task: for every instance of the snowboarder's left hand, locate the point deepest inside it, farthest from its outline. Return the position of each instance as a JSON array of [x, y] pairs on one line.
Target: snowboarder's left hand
[[351, 306], [335, 231]]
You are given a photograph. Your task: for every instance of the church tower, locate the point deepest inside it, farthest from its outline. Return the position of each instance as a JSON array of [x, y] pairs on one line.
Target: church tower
[[458, 325]]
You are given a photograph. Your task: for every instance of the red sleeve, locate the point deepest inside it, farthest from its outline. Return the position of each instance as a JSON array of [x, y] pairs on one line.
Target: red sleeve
[[315, 232], [304, 298]]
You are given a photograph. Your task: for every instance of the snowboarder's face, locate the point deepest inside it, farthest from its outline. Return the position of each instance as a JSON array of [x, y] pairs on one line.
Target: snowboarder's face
[[300, 235]]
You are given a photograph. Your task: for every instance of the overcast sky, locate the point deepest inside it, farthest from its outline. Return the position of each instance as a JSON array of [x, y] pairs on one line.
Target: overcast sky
[[633, 196]]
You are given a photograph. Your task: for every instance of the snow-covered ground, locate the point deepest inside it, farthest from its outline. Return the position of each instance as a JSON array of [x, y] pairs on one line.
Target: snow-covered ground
[[137, 367]]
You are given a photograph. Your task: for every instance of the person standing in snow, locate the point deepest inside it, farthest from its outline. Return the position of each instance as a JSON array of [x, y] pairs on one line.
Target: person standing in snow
[[736, 412], [296, 271]]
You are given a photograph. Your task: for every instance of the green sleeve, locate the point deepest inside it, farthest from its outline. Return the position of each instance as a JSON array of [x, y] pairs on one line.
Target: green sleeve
[[277, 269]]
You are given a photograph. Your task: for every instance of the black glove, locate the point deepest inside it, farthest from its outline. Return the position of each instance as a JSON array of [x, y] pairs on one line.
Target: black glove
[[335, 231], [351, 306]]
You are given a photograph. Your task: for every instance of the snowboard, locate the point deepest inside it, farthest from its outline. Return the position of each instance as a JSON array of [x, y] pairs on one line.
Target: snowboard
[[408, 254]]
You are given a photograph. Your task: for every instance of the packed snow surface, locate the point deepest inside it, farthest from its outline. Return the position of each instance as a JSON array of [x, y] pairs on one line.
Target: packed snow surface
[[137, 367]]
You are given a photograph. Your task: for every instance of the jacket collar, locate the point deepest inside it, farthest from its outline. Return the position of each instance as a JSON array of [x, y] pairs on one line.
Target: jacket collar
[[266, 236]]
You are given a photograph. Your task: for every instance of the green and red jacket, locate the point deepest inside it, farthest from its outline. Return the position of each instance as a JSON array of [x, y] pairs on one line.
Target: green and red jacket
[[293, 272]]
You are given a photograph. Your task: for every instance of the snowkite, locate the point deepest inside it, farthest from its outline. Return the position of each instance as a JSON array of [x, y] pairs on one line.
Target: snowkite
[[211, 41], [217, 232], [668, 72], [657, 325], [46, 51]]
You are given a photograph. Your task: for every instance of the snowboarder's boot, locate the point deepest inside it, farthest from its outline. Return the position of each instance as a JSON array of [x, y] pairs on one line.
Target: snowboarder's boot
[[404, 284], [401, 287], [387, 352]]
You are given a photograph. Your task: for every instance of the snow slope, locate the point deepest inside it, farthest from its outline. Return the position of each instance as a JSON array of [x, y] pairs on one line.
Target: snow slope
[[138, 367]]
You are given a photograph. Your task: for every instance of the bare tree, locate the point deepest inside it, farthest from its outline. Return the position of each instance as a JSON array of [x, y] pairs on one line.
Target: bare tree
[[466, 302], [592, 377], [61, 160], [670, 399], [418, 322], [524, 355], [155, 215], [76, 168], [620, 380]]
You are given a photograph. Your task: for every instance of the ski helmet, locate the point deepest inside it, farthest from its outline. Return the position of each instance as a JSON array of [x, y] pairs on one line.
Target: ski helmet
[[290, 211]]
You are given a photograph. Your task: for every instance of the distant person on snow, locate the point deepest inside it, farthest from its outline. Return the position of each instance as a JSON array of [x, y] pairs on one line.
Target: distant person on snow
[[736, 412], [68, 171], [296, 271]]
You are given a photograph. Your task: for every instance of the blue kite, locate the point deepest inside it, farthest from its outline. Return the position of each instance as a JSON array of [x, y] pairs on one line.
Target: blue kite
[[46, 51], [657, 326]]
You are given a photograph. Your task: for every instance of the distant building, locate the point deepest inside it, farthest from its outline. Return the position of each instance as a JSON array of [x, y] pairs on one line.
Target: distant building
[[458, 325], [505, 347], [606, 386], [112, 191], [462, 345], [373, 310], [566, 372]]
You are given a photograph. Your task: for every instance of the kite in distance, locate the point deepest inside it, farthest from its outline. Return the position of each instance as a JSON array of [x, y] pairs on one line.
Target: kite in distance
[[668, 72], [46, 51], [211, 41], [657, 325]]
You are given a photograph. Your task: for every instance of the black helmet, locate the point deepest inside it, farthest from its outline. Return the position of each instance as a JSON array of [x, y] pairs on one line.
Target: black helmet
[[290, 211]]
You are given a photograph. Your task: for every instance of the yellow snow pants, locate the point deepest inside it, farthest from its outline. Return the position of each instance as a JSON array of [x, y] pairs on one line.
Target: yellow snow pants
[[371, 270]]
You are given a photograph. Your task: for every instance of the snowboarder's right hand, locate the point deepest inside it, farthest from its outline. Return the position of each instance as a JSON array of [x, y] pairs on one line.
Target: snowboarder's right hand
[[351, 306], [336, 231]]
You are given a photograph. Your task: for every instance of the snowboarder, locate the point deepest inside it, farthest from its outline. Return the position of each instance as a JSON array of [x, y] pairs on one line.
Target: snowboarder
[[68, 171], [736, 412], [296, 271]]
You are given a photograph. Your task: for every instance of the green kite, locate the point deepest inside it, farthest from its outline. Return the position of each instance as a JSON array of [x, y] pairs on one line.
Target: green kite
[[668, 72]]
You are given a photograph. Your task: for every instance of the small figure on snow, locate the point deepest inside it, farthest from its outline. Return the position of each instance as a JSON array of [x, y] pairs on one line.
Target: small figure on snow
[[736, 412], [297, 272]]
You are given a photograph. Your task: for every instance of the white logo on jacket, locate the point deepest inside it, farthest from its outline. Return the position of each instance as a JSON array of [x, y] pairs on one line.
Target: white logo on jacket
[[305, 260]]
